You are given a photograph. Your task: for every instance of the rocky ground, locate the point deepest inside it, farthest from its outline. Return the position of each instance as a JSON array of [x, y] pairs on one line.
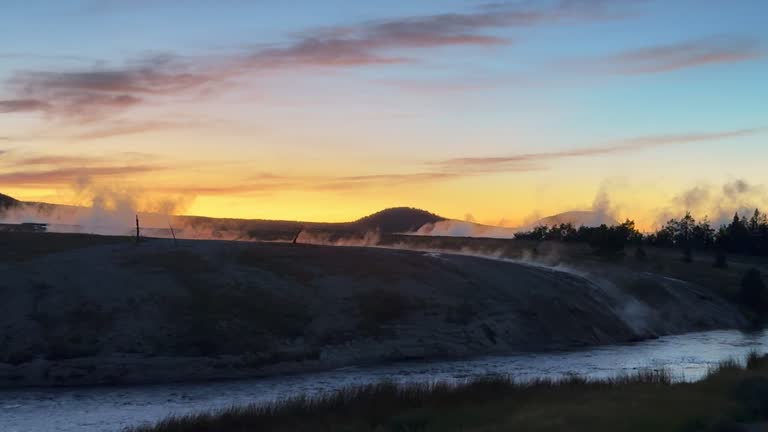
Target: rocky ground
[[120, 312]]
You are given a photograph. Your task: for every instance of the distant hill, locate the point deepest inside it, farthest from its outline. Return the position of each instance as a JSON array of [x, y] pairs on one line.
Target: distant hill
[[83, 219], [457, 228], [392, 220], [388, 221], [7, 202], [577, 218], [398, 220]]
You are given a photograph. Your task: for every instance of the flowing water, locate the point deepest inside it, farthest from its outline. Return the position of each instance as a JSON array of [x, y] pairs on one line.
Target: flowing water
[[107, 409]]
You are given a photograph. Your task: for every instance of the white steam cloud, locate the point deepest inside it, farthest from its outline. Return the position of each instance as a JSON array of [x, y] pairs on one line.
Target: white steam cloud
[[718, 203]]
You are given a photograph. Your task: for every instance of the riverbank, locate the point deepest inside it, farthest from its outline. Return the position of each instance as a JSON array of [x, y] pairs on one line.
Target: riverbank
[[110, 311], [112, 408], [730, 398]]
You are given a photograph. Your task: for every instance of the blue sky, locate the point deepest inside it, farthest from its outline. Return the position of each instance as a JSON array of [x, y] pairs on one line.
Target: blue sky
[[366, 105]]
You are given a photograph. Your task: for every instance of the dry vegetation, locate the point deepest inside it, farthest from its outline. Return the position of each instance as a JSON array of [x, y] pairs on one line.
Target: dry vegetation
[[729, 399]]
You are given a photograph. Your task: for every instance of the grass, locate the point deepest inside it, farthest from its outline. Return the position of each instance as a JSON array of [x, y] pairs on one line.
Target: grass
[[730, 397]]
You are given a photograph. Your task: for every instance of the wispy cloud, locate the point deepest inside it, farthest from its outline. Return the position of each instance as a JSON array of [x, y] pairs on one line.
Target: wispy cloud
[[95, 94], [33, 161], [104, 129], [99, 93], [25, 56], [21, 105], [125, 128], [345, 183], [67, 176], [524, 160], [683, 55], [276, 183], [52, 170]]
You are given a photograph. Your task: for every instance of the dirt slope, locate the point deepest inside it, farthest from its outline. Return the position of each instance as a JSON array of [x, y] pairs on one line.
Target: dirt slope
[[127, 313]]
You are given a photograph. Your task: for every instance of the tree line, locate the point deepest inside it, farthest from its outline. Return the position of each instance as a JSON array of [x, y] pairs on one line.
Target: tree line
[[743, 235]]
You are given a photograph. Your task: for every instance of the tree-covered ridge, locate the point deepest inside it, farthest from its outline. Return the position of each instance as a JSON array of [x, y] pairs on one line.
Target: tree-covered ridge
[[603, 238], [743, 235], [6, 201]]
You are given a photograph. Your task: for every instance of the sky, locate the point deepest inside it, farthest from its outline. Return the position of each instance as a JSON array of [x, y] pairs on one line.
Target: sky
[[328, 110]]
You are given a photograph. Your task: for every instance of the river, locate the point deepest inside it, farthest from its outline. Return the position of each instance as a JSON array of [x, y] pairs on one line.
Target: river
[[108, 409]]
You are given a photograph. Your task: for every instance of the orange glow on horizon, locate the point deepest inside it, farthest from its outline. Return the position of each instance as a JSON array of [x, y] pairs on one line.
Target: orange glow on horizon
[[482, 206]]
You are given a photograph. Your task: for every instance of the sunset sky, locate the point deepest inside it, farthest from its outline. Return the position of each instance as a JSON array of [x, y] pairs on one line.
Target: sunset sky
[[328, 110]]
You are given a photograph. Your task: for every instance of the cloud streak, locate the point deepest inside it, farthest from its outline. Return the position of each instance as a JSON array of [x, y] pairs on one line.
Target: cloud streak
[[683, 55], [98, 93], [22, 105], [67, 176], [518, 161], [51, 170], [54, 160], [125, 128], [95, 94]]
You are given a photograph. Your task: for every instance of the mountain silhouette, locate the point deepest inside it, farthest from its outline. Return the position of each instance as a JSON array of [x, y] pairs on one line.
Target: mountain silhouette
[[398, 220], [7, 202], [577, 218]]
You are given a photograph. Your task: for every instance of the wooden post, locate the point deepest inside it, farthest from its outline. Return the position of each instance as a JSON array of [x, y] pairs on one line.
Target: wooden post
[[172, 233], [137, 228], [296, 237]]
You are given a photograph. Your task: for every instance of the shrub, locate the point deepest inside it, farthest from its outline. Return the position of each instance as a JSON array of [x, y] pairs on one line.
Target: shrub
[[752, 394], [687, 254], [752, 293], [721, 260], [755, 361], [607, 240], [641, 254]]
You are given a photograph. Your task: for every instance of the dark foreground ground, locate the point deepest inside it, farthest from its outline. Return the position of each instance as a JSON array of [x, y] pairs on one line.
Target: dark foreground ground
[[83, 310], [730, 399]]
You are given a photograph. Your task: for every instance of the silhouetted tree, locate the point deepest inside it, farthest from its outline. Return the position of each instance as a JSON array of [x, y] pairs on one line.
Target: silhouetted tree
[[737, 235], [609, 240], [687, 254], [752, 293], [641, 254], [661, 238], [740, 236], [703, 235], [721, 259]]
